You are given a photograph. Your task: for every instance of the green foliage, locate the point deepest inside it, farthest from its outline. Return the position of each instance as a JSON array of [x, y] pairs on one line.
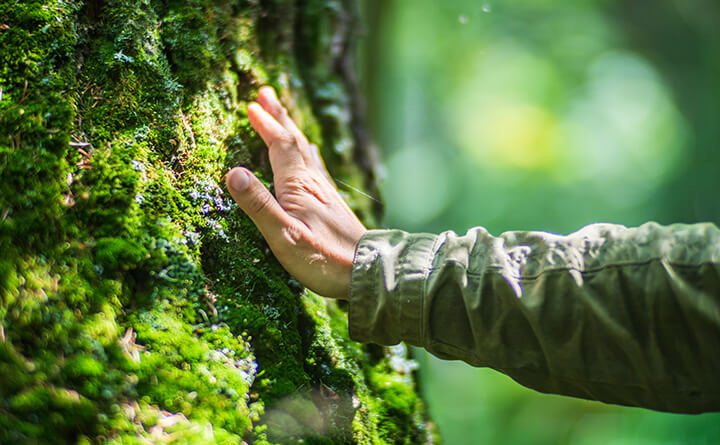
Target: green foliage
[[35, 73], [545, 115], [137, 303]]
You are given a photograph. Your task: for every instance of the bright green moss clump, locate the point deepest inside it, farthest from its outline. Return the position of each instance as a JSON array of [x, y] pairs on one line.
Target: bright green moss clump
[[137, 303]]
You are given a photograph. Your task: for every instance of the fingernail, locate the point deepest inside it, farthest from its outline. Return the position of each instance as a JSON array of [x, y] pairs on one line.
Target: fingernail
[[254, 105], [238, 179], [269, 90]]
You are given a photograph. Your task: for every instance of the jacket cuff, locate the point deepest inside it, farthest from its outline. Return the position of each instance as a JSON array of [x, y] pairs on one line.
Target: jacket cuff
[[387, 287]]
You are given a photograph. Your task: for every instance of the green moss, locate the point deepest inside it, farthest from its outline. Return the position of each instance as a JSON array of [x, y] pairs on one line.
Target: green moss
[[36, 70], [137, 302]]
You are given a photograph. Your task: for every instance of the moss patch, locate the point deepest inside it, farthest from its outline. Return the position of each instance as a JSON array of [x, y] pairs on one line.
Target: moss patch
[[137, 303]]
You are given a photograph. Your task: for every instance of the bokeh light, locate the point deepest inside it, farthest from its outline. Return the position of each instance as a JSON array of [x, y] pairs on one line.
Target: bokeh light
[[541, 115]]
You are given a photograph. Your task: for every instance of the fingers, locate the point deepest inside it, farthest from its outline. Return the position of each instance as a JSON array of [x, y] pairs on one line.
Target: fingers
[[267, 127], [258, 203], [269, 101], [282, 145]]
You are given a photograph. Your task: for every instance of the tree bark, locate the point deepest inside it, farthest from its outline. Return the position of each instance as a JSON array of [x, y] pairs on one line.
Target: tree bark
[[137, 303]]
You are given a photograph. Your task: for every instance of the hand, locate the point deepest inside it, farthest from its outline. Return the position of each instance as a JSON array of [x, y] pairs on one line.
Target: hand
[[310, 229]]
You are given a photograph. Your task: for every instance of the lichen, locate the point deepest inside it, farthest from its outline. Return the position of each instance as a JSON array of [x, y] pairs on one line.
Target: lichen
[[137, 303]]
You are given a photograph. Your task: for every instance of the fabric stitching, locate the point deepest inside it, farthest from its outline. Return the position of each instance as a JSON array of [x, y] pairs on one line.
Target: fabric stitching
[[583, 271]]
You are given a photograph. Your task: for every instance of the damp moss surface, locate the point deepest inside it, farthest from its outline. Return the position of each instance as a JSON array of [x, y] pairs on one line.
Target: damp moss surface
[[138, 304]]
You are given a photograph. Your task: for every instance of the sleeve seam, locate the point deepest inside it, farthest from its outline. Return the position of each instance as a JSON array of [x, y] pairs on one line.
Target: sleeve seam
[[493, 267]]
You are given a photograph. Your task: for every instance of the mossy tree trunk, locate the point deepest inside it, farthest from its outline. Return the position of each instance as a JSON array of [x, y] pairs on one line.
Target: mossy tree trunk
[[137, 303]]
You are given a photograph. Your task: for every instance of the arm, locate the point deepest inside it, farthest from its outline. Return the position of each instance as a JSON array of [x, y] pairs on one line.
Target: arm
[[626, 316]]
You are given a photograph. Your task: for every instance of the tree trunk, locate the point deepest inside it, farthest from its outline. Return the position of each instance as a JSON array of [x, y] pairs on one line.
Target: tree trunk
[[137, 303]]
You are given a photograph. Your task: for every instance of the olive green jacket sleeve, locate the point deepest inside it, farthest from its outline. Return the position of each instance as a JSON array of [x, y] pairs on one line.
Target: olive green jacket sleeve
[[621, 315]]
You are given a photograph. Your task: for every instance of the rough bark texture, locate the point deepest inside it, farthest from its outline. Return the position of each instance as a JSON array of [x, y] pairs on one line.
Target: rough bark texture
[[137, 303]]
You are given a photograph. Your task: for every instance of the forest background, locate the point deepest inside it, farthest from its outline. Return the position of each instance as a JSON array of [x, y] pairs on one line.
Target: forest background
[[544, 115], [138, 304]]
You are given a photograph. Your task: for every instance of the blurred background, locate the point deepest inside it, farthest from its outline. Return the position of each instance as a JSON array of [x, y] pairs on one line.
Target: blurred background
[[544, 115]]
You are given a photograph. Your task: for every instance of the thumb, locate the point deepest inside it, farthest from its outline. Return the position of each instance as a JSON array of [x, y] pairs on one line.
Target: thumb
[[256, 201]]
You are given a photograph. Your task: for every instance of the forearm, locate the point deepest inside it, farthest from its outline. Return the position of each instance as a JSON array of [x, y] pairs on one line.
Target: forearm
[[629, 316]]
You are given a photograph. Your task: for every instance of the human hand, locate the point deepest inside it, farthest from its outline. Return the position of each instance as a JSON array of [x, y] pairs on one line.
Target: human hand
[[310, 229]]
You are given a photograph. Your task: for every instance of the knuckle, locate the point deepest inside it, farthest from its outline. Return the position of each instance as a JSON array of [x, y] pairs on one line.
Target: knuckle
[[284, 141], [306, 189], [295, 180], [291, 235], [294, 235]]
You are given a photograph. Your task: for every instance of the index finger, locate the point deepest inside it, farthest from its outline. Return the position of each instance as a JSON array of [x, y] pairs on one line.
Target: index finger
[[282, 146], [267, 98]]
